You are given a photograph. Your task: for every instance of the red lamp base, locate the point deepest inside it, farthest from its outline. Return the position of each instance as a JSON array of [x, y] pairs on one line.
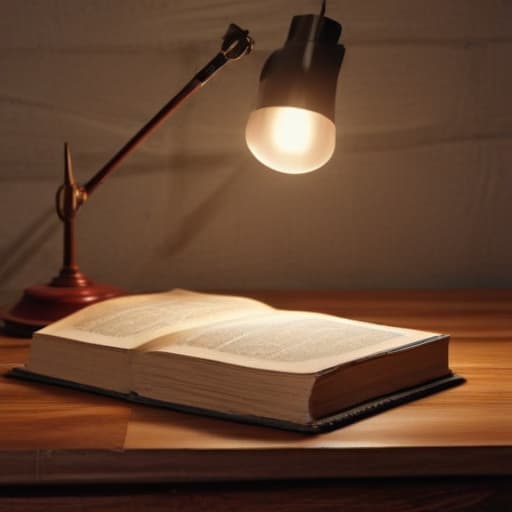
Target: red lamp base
[[43, 304]]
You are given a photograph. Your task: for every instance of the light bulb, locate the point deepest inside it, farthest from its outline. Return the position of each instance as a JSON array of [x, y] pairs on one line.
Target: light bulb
[[290, 139]]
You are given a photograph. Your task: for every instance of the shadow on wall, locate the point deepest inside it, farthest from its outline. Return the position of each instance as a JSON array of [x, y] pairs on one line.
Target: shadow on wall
[[24, 248], [194, 222]]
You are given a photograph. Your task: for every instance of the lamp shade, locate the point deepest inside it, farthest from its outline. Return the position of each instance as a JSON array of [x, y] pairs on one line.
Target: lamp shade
[[292, 128]]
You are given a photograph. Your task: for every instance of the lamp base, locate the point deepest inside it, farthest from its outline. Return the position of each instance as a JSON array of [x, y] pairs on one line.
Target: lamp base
[[42, 304]]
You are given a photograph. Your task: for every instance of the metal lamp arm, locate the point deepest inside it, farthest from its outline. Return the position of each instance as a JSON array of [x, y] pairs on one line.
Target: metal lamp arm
[[236, 44], [71, 195]]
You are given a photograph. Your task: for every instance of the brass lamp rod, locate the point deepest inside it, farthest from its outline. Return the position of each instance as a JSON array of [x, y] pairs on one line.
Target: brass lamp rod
[[237, 43], [71, 196], [111, 165]]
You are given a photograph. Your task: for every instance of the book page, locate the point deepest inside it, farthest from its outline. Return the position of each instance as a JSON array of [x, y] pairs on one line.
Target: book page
[[288, 341], [130, 321]]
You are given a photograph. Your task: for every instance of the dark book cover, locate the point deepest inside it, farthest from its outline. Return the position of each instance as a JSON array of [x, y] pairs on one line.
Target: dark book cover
[[327, 424]]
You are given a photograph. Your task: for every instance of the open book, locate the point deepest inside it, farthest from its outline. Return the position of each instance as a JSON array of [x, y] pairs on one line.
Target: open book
[[237, 357]]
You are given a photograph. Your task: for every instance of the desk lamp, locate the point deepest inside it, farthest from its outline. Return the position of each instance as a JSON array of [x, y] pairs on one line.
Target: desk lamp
[[291, 130]]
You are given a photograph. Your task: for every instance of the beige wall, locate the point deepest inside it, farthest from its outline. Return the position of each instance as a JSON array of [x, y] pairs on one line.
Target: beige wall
[[418, 194]]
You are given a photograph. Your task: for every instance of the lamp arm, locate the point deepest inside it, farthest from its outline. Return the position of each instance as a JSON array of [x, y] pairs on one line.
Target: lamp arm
[[236, 44], [71, 196]]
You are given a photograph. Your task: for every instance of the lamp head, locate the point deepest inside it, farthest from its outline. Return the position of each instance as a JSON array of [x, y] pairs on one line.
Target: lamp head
[[292, 128]]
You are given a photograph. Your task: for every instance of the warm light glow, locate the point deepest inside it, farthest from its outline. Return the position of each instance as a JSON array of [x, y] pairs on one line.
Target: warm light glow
[[292, 130], [291, 140]]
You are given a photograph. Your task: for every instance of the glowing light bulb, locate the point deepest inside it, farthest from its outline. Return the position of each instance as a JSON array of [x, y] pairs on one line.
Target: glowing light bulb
[[290, 139], [291, 130]]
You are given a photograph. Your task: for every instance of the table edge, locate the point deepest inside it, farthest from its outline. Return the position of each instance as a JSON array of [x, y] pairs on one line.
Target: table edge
[[63, 466]]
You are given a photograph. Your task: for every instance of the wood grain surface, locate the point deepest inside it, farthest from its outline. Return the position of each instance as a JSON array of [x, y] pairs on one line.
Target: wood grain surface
[[54, 435]]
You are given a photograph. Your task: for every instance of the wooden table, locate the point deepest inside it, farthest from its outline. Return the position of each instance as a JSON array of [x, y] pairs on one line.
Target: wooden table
[[450, 451]]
